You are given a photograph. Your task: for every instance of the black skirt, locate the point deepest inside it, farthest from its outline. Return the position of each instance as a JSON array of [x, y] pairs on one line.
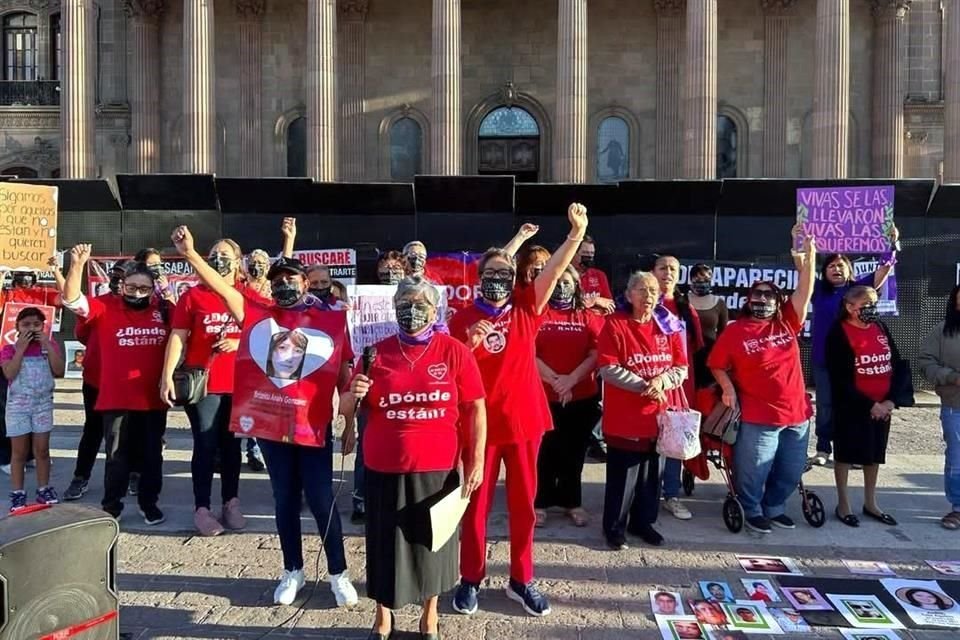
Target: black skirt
[[860, 441], [401, 569]]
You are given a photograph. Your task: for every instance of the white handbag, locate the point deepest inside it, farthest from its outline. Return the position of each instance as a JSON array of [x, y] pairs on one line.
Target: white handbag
[[679, 431]]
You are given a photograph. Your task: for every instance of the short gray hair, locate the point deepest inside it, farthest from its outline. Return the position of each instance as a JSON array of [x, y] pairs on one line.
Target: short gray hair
[[414, 286], [638, 276], [412, 244]]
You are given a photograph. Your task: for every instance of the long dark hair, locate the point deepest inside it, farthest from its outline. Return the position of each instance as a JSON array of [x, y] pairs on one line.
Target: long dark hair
[[951, 320], [830, 259]]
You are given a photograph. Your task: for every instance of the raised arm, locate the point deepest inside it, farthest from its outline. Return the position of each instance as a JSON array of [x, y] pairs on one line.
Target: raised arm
[[883, 271], [183, 241], [807, 275], [526, 232], [560, 260], [72, 289], [57, 274], [289, 231]]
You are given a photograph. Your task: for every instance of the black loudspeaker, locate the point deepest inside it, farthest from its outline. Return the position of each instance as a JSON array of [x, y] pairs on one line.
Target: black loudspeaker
[[58, 574]]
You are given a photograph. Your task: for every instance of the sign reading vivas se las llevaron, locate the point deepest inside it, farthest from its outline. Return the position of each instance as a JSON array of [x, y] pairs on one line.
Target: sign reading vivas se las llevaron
[[848, 220]]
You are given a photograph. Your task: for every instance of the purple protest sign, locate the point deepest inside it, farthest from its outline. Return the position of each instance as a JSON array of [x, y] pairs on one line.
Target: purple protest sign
[[856, 220]]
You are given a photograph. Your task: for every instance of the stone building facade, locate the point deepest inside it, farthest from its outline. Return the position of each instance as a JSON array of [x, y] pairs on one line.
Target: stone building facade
[[549, 90]]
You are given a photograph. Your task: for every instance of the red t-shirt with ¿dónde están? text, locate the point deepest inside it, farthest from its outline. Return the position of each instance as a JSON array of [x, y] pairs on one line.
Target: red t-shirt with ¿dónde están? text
[[873, 361], [413, 408], [204, 314], [565, 339], [645, 350], [762, 357]]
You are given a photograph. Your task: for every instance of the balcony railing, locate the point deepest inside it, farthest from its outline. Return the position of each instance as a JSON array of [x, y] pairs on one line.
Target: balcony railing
[[35, 93]]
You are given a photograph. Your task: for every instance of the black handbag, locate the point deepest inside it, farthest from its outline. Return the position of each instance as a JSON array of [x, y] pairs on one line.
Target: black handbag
[[190, 383]]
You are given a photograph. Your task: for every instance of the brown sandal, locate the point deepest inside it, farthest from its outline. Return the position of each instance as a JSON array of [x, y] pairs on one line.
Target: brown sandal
[[951, 520], [579, 517]]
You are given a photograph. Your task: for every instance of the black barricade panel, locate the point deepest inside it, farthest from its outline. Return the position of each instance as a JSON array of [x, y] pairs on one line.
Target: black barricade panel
[[81, 195], [276, 196], [152, 228], [167, 191], [464, 213]]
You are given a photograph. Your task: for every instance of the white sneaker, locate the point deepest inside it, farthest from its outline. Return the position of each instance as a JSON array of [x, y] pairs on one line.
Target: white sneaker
[[290, 584], [5, 468], [343, 590], [677, 508]]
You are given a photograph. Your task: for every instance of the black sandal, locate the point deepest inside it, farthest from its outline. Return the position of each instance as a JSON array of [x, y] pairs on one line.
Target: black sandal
[[885, 518], [849, 520]]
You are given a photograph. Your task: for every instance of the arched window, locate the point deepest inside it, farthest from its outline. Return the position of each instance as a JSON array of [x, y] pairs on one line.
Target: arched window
[[297, 148], [726, 147], [406, 149], [20, 172], [20, 47], [56, 52], [613, 149], [509, 122]]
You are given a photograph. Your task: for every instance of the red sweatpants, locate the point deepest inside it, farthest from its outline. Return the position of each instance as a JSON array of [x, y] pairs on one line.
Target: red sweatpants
[[521, 462]]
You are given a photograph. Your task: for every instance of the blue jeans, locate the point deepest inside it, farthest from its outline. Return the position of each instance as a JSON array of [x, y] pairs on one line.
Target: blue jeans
[[359, 471], [768, 463], [296, 470], [821, 382], [210, 425], [672, 468], [950, 419]]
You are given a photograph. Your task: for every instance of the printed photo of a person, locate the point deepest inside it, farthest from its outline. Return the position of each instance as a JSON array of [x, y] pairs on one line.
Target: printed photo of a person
[[76, 363], [865, 611], [744, 616], [925, 599], [286, 354]]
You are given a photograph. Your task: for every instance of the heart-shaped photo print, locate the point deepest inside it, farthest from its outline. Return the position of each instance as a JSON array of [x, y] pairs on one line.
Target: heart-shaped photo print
[[287, 355]]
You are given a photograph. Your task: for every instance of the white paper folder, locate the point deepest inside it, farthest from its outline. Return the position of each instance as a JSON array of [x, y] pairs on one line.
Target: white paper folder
[[445, 515]]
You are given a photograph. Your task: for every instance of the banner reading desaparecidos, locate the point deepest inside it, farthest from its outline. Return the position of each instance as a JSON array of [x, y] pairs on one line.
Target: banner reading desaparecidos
[[178, 272], [286, 372], [341, 262]]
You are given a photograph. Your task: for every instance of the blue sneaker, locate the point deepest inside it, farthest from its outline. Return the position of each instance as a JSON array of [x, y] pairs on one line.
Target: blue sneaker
[[534, 602], [18, 500], [465, 599], [47, 495]]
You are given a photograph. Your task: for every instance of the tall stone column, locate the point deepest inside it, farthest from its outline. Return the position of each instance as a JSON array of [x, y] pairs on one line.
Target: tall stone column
[[144, 16], [700, 91], [951, 93], [888, 91], [446, 131], [570, 154], [831, 90], [776, 32], [353, 14], [670, 49], [77, 120], [249, 24], [322, 90], [199, 83]]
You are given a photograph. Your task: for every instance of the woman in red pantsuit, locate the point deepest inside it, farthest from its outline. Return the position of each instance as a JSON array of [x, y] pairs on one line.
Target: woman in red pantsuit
[[501, 328]]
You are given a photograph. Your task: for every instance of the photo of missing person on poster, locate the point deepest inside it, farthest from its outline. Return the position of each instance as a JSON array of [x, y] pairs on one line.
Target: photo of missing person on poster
[[666, 603], [806, 599], [864, 611], [925, 602]]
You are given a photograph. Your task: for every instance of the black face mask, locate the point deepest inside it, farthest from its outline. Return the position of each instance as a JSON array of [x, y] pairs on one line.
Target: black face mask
[[417, 262], [221, 264], [413, 317], [156, 269], [257, 270], [563, 292], [496, 289], [763, 310], [321, 292], [137, 303], [586, 262], [285, 294], [701, 288], [869, 314], [392, 277], [114, 284]]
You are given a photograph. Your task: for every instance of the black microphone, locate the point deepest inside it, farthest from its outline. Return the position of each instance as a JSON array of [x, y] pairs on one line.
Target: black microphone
[[369, 355]]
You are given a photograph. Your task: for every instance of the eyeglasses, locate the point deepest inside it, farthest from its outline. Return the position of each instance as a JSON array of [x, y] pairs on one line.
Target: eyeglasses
[[132, 289], [497, 273], [764, 294]]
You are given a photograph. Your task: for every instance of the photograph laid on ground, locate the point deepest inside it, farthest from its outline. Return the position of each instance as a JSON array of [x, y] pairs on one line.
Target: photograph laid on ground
[[864, 612], [925, 602], [708, 612], [752, 617], [873, 634], [806, 599], [666, 603], [680, 628], [760, 590], [869, 568], [716, 591], [769, 564], [790, 620], [728, 634], [946, 567]]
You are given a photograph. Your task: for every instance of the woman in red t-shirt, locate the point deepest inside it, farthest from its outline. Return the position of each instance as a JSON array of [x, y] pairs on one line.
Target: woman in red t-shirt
[[756, 362], [421, 386], [639, 362], [567, 360], [868, 383], [206, 336], [501, 328], [131, 331]]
